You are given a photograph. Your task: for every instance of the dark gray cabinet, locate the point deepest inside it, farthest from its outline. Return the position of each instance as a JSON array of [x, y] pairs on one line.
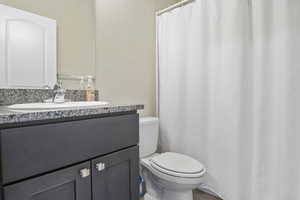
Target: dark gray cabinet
[[115, 177], [111, 177], [66, 184], [65, 143], [86, 159]]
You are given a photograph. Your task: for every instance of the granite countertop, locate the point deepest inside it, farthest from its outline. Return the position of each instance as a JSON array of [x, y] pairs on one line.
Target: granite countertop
[[11, 117]]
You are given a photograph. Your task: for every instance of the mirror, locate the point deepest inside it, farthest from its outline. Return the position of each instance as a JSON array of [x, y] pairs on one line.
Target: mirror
[[45, 42]]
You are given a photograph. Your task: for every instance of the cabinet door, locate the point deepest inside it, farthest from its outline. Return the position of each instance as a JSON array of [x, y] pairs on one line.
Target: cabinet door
[[115, 176], [73, 183]]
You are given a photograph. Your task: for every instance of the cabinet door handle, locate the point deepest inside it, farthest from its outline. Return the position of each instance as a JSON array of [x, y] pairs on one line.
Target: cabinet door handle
[[100, 166], [86, 172]]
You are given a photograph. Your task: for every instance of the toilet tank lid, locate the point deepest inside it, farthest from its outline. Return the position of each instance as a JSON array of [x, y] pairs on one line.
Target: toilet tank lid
[[149, 120]]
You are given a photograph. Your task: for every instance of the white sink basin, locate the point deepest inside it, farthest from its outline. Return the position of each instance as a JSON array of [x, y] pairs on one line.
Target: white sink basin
[[51, 106]]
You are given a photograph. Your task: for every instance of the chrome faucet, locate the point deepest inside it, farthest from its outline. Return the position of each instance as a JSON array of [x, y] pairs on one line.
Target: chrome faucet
[[58, 93]]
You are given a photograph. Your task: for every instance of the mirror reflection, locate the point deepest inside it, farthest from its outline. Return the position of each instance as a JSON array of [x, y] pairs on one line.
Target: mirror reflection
[[40, 47]]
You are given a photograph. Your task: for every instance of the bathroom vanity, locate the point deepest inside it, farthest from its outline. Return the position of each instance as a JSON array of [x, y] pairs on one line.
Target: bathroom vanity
[[79, 154]]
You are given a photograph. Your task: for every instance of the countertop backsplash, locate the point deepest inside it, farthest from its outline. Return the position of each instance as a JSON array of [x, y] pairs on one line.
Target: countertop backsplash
[[17, 96]]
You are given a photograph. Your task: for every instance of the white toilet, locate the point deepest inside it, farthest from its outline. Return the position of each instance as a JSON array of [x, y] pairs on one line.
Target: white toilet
[[168, 176]]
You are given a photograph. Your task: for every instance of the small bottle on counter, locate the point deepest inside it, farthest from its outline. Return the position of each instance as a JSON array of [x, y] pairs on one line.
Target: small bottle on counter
[[81, 83], [89, 90]]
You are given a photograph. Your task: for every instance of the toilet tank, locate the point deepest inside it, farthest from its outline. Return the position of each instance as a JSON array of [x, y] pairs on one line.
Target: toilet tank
[[149, 130]]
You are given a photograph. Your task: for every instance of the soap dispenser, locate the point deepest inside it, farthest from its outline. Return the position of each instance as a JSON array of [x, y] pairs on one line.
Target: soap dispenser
[[89, 90], [81, 83]]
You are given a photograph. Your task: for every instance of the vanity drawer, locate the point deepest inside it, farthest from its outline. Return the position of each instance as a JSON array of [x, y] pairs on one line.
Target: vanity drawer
[[33, 150]]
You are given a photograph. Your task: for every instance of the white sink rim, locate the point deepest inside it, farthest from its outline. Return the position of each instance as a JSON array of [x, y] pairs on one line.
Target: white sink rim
[[55, 106]]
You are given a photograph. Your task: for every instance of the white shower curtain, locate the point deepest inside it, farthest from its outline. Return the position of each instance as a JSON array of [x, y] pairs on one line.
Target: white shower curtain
[[229, 93]]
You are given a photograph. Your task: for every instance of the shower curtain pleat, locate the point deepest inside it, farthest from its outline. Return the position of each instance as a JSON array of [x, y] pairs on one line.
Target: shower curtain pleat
[[229, 93]]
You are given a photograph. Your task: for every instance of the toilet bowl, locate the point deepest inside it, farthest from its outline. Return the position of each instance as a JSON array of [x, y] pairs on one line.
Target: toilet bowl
[[168, 176]]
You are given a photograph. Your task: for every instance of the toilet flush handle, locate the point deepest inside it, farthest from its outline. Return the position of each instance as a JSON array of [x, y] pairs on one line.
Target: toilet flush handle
[[100, 166]]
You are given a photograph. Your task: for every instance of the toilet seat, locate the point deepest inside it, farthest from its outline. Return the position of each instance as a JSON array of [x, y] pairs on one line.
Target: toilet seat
[[177, 165]]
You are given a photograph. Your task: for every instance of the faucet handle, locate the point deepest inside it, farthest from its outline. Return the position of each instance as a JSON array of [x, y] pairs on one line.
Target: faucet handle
[[58, 93], [57, 85]]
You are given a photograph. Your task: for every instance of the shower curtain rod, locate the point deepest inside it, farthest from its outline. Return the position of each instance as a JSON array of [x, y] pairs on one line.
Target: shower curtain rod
[[177, 5]]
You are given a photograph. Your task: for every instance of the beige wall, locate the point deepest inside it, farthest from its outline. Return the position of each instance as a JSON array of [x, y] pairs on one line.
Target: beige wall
[[125, 53], [76, 32]]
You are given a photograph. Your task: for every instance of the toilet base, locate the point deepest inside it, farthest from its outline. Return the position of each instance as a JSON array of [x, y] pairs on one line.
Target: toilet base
[[162, 188], [173, 195], [148, 197]]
